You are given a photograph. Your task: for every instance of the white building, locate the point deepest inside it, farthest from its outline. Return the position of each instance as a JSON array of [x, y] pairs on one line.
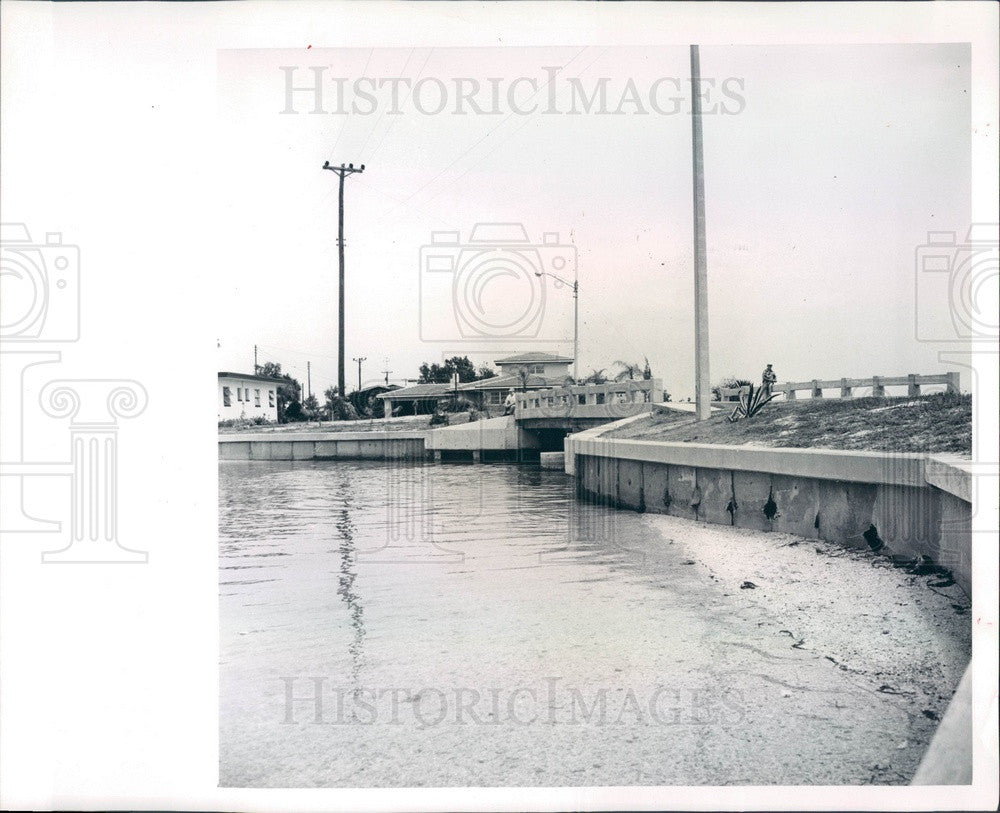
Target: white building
[[244, 396]]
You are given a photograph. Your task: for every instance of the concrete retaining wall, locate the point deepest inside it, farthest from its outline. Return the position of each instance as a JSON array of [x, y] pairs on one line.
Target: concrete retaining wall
[[899, 504], [495, 434], [324, 446]]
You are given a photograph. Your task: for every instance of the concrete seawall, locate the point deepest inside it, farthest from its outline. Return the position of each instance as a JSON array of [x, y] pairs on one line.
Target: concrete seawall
[[324, 446], [907, 505]]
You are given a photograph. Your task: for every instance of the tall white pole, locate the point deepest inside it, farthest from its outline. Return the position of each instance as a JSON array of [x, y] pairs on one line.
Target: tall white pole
[[576, 332], [703, 389]]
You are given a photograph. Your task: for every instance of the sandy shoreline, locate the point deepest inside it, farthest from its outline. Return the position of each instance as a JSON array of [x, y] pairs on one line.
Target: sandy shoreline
[[904, 639]]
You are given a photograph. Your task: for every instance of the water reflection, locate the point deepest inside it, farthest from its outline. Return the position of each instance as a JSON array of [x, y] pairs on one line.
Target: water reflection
[[347, 575]]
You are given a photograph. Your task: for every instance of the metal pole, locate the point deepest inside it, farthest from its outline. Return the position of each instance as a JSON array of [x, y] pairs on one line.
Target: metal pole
[[359, 360], [309, 380], [255, 367], [703, 391], [340, 322], [576, 331]]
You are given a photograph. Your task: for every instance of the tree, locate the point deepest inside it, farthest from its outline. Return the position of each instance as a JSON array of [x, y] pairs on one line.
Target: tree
[[596, 377], [629, 370], [340, 408], [647, 373], [289, 391], [485, 371], [442, 373]]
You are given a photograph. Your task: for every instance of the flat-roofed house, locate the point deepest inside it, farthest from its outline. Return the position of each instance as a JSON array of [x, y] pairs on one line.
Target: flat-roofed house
[[245, 397]]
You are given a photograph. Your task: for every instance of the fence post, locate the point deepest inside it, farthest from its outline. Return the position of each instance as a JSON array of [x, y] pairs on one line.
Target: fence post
[[790, 393], [878, 390], [952, 382], [845, 390], [913, 388], [817, 390]]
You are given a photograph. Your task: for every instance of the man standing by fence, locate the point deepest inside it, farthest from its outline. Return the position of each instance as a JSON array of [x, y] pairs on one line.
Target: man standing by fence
[[767, 380]]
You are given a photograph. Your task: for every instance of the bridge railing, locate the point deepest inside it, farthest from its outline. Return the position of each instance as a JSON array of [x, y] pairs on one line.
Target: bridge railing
[[611, 400], [877, 384]]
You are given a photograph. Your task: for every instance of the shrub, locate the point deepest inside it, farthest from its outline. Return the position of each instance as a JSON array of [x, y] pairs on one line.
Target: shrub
[[342, 409]]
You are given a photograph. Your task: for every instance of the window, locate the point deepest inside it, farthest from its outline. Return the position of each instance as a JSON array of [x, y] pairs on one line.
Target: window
[[495, 396], [270, 398], [227, 396], [239, 393], [256, 398], [246, 394], [537, 368]]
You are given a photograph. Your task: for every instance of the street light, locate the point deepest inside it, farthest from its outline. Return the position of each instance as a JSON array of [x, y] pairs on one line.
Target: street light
[[575, 285]]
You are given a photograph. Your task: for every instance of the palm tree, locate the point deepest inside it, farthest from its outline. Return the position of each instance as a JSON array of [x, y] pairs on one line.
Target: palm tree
[[596, 377], [523, 375], [630, 371]]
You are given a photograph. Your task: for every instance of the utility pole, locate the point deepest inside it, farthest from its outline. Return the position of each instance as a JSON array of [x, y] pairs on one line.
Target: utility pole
[[387, 371], [256, 369], [309, 380], [702, 387], [342, 172], [363, 358]]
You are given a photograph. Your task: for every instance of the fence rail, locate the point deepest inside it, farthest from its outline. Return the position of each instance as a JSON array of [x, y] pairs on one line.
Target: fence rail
[[847, 386]]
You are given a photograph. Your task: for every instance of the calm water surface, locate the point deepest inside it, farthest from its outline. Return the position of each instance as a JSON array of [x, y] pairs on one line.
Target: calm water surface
[[408, 624]]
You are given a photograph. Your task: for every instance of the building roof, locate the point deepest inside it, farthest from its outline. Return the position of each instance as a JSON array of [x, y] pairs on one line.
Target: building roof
[[417, 391], [534, 358], [252, 377], [513, 382]]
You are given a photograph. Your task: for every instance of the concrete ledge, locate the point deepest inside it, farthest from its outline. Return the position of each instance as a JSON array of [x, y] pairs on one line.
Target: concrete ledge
[[296, 437], [497, 434], [569, 452], [823, 464], [951, 474]]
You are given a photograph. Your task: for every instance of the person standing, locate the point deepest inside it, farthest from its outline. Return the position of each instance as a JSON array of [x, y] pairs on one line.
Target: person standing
[[767, 380]]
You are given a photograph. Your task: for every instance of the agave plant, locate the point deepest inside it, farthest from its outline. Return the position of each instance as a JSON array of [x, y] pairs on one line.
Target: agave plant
[[751, 402]]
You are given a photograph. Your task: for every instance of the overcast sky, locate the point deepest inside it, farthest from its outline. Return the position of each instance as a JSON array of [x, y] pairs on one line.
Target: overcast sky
[[825, 168]]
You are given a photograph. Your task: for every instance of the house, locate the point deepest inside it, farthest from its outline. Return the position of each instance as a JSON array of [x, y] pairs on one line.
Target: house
[[419, 399], [519, 372], [244, 396], [524, 371]]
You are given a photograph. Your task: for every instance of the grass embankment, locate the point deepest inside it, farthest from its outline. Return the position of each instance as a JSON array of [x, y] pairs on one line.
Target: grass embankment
[[930, 423]]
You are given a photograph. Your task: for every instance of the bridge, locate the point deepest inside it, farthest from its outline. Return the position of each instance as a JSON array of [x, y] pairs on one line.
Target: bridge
[[542, 419], [575, 407]]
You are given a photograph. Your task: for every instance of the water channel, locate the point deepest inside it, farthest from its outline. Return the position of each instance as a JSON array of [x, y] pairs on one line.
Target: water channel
[[410, 624]]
